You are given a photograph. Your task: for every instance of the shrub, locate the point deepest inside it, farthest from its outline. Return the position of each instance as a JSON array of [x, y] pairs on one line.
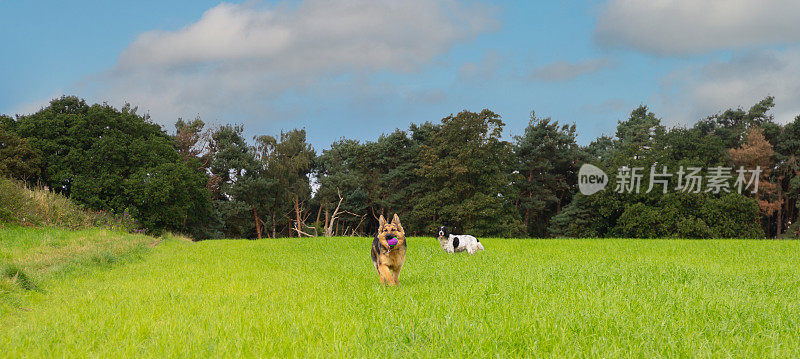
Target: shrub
[[679, 215], [693, 228], [732, 216], [642, 221], [577, 220]]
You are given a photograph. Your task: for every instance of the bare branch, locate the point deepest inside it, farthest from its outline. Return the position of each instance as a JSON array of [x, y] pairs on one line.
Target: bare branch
[[301, 232], [335, 215]]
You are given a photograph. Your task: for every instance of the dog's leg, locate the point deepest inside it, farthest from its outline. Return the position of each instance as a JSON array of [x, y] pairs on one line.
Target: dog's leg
[[396, 270], [378, 269], [386, 275]]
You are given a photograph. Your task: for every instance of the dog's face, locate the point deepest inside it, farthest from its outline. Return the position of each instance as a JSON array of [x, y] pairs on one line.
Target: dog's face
[[443, 232], [393, 229]]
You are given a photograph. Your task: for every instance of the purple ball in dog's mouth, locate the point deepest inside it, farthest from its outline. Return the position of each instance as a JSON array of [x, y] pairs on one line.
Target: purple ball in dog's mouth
[[392, 242]]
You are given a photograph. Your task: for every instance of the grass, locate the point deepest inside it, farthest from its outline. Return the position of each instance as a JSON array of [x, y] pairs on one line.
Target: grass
[[311, 298], [30, 256]]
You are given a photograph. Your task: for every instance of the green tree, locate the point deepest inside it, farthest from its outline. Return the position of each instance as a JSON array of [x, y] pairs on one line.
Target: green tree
[[641, 141], [172, 196], [346, 170], [547, 157], [731, 125], [294, 161], [105, 157], [373, 178], [464, 166], [787, 172], [231, 159], [17, 158], [288, 162]]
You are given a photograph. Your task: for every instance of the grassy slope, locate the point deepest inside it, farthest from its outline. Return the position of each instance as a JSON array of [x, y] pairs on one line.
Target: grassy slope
[[313, 297], [36, 207], [39, 258]]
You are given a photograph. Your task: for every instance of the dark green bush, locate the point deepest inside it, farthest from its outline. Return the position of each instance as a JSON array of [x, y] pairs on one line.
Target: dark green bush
[[676, 215]]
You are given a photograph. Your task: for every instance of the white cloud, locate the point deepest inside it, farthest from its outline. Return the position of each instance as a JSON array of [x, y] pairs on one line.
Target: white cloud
[[566, 71], [679, 27], [248, 58], [697, 92]]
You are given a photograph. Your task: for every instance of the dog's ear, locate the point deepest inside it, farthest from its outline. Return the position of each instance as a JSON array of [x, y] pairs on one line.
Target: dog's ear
[[396, 221], [381, 222]]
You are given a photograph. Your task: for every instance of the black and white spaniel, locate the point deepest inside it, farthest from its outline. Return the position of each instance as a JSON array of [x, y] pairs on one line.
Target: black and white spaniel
[[458, 242]]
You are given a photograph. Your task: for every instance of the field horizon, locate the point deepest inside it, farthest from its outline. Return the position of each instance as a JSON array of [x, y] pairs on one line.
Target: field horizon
[[321, 297]]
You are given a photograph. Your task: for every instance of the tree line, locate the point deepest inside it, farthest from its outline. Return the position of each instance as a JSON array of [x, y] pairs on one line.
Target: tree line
[[212, 182]]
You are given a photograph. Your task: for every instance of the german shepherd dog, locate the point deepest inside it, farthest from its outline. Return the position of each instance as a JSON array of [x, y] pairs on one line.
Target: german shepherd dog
[[388, 260]]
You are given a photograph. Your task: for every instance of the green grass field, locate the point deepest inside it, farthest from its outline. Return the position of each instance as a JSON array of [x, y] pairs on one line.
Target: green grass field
[[311, 298]]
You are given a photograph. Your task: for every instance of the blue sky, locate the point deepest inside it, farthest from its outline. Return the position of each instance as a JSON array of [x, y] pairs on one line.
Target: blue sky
[[359, 68]]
